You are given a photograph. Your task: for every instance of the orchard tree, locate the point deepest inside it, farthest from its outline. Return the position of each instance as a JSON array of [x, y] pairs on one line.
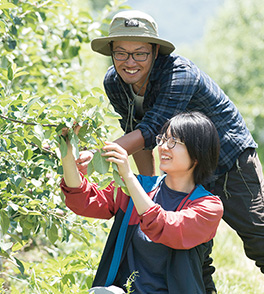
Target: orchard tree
[[47, 83], [233, 52]]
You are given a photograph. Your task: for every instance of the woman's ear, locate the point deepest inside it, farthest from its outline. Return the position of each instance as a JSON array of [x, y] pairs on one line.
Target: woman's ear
[[194, 163]]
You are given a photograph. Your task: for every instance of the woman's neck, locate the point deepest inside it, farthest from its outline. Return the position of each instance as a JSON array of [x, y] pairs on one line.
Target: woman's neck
[[181, 184]]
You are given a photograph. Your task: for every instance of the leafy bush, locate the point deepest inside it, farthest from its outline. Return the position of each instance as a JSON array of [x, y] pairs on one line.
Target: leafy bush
[[46, 84]]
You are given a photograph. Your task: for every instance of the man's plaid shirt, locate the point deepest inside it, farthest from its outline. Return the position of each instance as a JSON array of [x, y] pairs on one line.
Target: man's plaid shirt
[[177, 85]]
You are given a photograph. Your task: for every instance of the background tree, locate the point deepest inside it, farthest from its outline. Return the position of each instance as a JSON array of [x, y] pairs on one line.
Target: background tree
[[232, 54]]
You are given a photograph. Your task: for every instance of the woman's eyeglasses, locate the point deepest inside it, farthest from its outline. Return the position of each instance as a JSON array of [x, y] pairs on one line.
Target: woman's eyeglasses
[[171, 142]]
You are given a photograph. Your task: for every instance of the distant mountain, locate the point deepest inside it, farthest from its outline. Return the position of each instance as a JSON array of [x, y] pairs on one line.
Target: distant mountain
[[179, 21]]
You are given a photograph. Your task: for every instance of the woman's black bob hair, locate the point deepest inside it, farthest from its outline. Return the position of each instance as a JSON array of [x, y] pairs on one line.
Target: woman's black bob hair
[[201, 139]]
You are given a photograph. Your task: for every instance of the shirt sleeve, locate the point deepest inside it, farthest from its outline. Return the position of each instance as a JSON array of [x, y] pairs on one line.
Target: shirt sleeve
[[184, 229], [87, 200]]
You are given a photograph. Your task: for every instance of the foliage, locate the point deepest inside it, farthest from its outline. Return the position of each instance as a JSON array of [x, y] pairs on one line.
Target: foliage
[[45, 85], [234, 48]]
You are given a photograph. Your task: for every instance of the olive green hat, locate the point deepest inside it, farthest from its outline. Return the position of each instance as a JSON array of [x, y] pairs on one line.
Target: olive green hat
[[132, 25]]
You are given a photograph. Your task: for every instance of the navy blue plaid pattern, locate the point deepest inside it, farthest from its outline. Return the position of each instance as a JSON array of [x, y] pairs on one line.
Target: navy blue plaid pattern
[[176, 85]]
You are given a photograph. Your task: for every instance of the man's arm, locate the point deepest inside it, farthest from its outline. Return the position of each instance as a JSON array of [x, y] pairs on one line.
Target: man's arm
[[131, 142], [145, 162], [134, 143]]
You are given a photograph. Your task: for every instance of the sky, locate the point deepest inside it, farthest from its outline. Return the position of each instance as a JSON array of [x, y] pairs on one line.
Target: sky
[[179, 21]]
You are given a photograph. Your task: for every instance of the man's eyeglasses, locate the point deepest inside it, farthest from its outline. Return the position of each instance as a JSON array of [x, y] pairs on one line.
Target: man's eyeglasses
[[171, 142], [123, 56]]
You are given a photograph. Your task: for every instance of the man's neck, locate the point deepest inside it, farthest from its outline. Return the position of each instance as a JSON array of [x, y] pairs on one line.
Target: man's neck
[[136, 88]]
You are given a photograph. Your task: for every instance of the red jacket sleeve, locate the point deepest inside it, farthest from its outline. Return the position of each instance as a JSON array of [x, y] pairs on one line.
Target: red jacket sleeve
[[193, 225], [87, 200]]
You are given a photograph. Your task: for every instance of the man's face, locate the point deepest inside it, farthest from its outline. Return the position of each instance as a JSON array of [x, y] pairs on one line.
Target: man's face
[[131, 71]]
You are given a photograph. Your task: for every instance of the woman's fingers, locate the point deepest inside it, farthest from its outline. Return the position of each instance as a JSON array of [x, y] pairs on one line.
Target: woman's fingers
[[76, 129], [114, 147], [64, 131]]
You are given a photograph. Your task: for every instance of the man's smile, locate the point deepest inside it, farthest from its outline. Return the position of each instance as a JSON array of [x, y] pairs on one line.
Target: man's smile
[[131, 71]]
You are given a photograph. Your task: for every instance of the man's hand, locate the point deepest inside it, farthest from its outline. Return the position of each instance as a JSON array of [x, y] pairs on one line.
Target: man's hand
[[83, 161]]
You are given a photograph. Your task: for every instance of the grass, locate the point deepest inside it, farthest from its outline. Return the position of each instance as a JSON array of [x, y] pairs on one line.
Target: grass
[[235, 273]]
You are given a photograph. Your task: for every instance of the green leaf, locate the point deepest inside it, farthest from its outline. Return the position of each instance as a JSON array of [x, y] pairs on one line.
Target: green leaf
[[60, 127], [22, 73], [118, 179], [19, 265], [16, 238], [100, 164], [28, 154], [90, 168], [36, 141], [4, 253], [112, 115], [10, 73], [18, 245], [104, 183], [68, 277], [7, 6], [32, 101], [114, 166], [4, 221], [65, 234], [52, 233], [125, 190], [115, 193]]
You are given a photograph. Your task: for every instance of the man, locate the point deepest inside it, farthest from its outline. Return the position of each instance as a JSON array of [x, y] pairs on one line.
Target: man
[[147, 85]]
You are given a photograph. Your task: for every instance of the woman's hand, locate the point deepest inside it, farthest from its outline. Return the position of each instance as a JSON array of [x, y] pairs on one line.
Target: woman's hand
[[115, 153], [118, 155]]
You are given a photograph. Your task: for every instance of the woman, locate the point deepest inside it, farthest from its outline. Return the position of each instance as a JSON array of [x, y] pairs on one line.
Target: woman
[[174, 218]]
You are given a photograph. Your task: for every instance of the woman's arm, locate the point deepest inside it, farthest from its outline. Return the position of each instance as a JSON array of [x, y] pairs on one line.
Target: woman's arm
[[184, 229], [118, 155], [71, 174]]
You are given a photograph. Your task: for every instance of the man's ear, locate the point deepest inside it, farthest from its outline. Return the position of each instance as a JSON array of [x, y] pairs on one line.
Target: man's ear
[[157, 50]]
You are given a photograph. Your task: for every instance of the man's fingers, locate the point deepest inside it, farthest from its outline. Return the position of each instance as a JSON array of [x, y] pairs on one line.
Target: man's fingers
[[85, 156], [82, 168]]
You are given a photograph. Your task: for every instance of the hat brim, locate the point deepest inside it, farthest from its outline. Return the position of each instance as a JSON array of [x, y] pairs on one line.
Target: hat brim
[[101, 45]]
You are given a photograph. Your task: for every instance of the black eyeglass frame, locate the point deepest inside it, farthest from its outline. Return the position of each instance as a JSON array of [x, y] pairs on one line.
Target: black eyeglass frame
[[132, 54], [161, 139]]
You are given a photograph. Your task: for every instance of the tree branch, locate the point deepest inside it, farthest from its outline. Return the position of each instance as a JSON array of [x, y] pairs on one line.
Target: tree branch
[[25, 123]]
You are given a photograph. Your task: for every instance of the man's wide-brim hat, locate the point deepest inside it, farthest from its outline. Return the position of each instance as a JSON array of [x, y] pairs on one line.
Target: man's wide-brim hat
[[132, 25]]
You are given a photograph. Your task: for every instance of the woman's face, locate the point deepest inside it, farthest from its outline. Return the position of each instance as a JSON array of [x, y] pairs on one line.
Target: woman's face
[[175, 161]]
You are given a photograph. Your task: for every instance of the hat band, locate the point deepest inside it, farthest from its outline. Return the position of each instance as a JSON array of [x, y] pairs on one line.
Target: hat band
[[141, 29]]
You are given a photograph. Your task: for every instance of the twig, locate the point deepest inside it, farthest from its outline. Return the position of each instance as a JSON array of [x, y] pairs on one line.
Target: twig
[[25, 123]]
